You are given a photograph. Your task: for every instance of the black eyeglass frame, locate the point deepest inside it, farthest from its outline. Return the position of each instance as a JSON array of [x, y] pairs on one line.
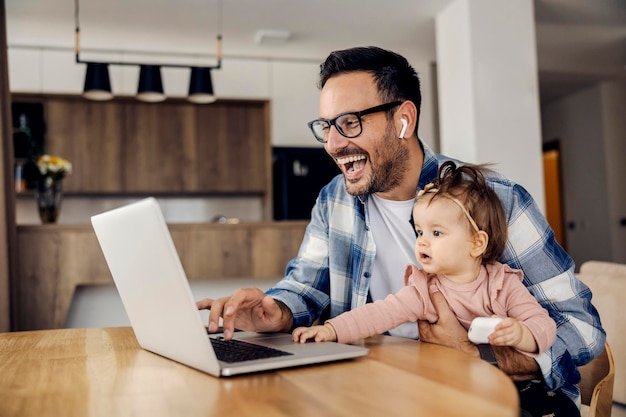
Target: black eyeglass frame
[[358, 114]]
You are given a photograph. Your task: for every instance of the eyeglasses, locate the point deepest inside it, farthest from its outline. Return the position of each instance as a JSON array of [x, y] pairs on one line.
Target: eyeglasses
[[347, 124]]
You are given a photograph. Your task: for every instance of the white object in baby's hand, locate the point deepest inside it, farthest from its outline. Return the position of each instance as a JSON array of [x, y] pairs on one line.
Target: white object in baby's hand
[[481, 328]]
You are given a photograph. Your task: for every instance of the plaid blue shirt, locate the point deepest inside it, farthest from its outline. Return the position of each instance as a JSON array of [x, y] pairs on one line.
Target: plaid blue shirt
[[331, 273]]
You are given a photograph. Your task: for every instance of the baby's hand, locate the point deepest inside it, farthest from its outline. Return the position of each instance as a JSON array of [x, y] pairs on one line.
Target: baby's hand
[[324, 333], [508, 333]]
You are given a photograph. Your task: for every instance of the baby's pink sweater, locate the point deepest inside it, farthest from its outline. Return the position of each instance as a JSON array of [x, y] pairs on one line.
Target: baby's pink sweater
[[497, 290]]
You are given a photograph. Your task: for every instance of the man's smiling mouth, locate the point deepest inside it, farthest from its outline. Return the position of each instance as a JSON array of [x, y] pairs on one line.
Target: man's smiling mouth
[[352, 163]]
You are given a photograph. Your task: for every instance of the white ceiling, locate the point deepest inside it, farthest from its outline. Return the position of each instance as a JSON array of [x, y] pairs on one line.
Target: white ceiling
[[317, 26], [579, 41]]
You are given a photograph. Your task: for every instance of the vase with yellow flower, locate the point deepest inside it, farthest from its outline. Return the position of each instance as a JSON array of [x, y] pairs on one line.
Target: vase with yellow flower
[[52, 170]]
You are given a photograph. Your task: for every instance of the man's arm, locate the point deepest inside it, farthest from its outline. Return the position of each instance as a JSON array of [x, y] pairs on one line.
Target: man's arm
[[296, 300], [549, 276], [247, 309], [518, 366], [449, 332], [306, 288]]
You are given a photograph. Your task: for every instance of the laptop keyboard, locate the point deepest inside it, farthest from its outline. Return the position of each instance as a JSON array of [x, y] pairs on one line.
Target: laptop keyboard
[[231, 351]]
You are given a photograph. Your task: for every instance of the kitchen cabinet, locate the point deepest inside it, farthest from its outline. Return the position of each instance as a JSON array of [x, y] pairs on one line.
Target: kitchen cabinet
[[157, 139], [89, 135], [186, 148], [174, 148], [50, 269]]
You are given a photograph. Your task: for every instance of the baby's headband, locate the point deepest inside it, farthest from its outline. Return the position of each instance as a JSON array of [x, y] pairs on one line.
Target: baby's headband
[[430, 188]]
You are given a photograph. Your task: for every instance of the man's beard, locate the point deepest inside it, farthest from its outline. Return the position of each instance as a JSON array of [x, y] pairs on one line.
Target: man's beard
[[388, 170]]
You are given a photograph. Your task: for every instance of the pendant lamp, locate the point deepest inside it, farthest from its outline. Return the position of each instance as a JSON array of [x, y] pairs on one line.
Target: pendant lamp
[[200, 86], [150, 87], [97, 83]]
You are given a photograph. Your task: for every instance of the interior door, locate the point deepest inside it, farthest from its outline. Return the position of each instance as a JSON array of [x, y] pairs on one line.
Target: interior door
[[552, 186]]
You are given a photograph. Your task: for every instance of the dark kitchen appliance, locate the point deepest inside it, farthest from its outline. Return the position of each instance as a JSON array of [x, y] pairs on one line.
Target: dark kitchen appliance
[[298, 176]]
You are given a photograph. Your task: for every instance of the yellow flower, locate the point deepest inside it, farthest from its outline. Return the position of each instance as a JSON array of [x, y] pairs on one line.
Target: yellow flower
[[53, 166]]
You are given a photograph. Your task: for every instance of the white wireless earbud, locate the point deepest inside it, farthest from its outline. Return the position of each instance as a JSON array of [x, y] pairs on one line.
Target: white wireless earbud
[[404, 125]]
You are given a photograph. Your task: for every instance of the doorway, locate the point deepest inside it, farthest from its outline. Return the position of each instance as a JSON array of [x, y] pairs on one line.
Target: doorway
[[553, 189]]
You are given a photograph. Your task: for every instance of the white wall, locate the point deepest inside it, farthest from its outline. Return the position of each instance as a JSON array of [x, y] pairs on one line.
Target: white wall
[[78, 210], [488, 88], [614, 124], [591, 130], [294, 102]]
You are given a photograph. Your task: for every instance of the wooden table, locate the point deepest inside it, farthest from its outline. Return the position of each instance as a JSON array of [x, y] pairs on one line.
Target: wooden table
[[104, 372]]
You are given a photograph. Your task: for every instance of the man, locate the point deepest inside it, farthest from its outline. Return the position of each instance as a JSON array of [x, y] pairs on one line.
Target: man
[[360, 238]]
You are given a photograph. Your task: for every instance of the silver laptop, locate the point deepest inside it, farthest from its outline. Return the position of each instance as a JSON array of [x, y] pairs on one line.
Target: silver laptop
[[150, 279]]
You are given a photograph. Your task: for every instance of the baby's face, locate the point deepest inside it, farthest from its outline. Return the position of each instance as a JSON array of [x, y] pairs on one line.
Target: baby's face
[[444, 238]]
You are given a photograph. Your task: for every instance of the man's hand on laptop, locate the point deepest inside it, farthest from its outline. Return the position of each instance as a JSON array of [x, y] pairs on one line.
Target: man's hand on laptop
[[247, 309]]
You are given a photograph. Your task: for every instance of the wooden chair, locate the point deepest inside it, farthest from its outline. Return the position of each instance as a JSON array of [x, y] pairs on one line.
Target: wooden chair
[[607, 282], [596, 387]]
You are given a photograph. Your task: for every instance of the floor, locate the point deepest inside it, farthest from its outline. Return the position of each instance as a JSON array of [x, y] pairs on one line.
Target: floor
[[619, 410], [101, 305]]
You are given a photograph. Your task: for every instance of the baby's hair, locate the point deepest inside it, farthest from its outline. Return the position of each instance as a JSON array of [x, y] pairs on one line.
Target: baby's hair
[[467, 184]]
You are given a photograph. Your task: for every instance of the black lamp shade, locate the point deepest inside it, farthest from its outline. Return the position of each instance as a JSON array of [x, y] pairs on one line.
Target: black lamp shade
[[97, 83], [201, 86], [150, 86]]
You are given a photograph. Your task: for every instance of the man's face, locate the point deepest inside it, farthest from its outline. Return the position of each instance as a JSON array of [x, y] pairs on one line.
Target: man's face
[[374, 161]]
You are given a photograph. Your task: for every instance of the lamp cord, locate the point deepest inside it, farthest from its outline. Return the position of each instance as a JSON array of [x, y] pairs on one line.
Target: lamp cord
[[76, 32], [219, 18], [219, 41]]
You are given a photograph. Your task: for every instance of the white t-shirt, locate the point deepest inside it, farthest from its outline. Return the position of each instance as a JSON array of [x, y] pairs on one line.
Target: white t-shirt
[[395, 243]]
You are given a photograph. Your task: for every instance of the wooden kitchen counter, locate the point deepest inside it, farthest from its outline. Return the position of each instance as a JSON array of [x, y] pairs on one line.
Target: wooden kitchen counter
[[54, 259]]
